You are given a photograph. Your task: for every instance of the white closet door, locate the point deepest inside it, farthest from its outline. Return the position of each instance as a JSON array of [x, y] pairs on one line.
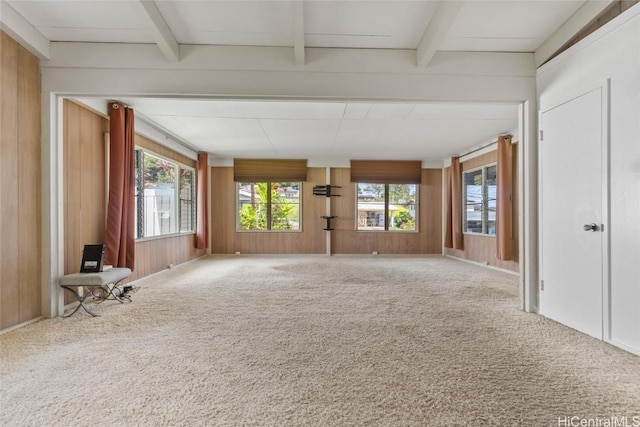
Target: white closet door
[[571, 153]]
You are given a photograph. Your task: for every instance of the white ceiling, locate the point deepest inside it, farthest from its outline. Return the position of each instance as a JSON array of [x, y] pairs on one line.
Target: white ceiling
[[246, 128], [504, 25], [328, 130]]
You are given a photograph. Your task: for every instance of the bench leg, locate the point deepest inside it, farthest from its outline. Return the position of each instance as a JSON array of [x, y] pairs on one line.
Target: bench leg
[[80, 301], [114, 292]]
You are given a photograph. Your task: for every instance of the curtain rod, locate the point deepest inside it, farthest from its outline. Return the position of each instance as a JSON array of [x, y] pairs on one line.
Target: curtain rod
[[482, 147]]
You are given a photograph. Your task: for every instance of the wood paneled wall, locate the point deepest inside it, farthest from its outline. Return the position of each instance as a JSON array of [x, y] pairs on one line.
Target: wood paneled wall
[[226, 240], [428, 239], [156, 255], [345, 240], [20, 185], [84, 182], [481, 248], [85, 196]]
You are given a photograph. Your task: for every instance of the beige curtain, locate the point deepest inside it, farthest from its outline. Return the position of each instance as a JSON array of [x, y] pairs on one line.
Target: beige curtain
[[121, 222], [202, 233], [504, 207], [453, 230]]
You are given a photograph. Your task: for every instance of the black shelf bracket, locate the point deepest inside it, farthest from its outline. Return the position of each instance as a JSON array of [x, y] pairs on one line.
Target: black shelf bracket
[[329, 218], [325, 190]]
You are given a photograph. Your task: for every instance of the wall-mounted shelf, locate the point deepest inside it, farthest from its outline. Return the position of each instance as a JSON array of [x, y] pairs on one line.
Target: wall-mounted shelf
[[329, 218], [325, 190]]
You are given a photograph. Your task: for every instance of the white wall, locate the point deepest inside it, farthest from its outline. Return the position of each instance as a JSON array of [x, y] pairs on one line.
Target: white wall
[[612, 52]]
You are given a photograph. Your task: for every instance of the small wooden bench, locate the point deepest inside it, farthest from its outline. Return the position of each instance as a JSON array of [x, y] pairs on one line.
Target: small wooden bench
[[102, 285]]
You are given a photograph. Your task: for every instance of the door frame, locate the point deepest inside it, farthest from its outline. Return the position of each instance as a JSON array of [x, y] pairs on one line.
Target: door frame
[[604, 87]]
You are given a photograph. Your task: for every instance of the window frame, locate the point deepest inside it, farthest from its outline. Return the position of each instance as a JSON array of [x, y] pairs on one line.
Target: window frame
[[268, 205], [387, 216], [139, 186], [484, 213]]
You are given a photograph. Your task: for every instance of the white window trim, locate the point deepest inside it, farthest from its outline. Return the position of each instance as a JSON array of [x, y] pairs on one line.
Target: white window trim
[[464, 202], [417, 217], [177, 207], [237, 212]]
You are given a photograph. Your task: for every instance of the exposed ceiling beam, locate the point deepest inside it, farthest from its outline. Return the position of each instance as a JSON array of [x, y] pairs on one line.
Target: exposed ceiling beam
[[570, 28], [298, 32], [23, 32], [216, 71], [159, 29], [436, 31]]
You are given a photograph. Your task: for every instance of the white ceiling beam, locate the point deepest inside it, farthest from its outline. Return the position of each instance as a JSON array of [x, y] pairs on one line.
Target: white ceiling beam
[[570, 28], [452, 76], [159, 29], [436, 31], [260, 59], [23, 32], [298, 32]]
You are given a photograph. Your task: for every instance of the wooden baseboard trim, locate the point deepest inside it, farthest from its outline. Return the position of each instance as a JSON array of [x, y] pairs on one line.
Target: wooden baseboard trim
[[21, 325]]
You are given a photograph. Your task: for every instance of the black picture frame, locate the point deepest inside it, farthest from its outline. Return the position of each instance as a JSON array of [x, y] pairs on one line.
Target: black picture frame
[[92, 258]]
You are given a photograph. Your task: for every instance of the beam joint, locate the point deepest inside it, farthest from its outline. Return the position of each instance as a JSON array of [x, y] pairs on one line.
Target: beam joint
[[159, 28], [436, 31], [298, 32]]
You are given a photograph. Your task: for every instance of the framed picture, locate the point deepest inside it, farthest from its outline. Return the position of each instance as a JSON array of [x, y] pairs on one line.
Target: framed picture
[[92, 259]]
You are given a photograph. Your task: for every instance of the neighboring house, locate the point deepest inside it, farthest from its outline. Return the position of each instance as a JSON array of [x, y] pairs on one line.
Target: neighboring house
[[158, 200], [371, 215]]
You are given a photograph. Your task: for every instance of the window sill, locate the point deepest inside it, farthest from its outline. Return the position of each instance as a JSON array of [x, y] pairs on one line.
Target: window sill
[[466, 233], [165, 236], [268, 231], [390, 231]]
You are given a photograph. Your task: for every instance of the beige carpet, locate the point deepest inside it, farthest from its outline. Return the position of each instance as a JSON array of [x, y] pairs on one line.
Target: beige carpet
[[314, 341]]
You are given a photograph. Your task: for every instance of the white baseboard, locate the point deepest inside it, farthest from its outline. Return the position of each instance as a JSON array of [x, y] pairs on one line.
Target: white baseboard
[[170, 268], [624, 347], [481, 264]]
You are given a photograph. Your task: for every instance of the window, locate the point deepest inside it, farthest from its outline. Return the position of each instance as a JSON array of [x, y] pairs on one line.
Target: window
[[269, 206], [479, 192], [387, 207], [165, 196]]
